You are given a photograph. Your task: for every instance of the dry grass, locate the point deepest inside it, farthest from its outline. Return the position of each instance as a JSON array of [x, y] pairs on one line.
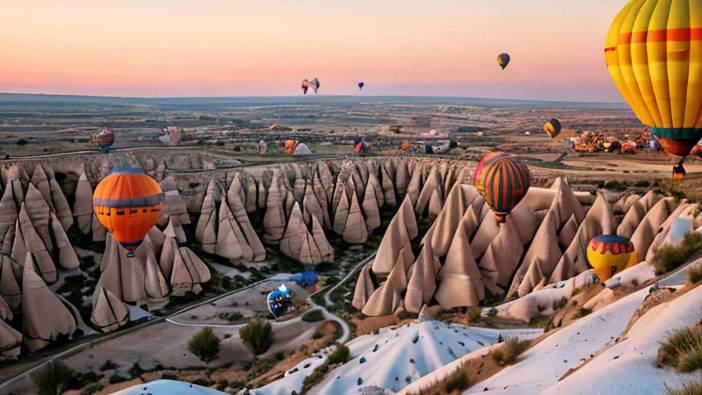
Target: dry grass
[[510, 350], [669, 258], [691, 388], [694, 274], [682, 349]]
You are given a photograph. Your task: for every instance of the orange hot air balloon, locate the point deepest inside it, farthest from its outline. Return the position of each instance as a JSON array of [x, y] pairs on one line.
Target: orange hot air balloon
[[128, 203]]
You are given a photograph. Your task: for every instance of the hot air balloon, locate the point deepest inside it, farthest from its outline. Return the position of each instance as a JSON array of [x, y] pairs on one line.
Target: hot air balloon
[[505, 183], [262, 147], [170, 135], [280, 302], [654, 56], [610, 254], [553, 128], [290, 146], [104, 139], [128, 203], [359, 143], [477, 181], [305, 86], [503, 60], [361, 85], [315, 85]]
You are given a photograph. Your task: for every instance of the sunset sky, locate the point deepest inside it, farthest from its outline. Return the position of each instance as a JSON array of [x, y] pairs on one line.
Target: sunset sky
[[266, 47]]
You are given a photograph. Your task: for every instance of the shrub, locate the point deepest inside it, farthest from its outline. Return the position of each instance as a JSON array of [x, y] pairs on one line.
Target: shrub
[[204, 345], [694, 275], [473, 314], [235, 317], [456, 382], [22, 142], [340, 355], [582, 312], [691, 388], [115, 378], [668, 258], [108, 365], [682, 349], [510, 350], [313, 316], [257, 335], [53, 379], [135, 371], [318, 333], [225, 282]]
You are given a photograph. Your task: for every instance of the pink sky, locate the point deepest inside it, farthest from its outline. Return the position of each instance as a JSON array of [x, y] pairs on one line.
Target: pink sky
[[266, 47]]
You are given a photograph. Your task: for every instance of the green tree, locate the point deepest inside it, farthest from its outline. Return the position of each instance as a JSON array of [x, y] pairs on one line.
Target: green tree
[[54, 378], [204, 345], [257, 335]]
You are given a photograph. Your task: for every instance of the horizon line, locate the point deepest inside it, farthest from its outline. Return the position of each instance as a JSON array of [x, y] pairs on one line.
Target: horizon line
[[567, 101]]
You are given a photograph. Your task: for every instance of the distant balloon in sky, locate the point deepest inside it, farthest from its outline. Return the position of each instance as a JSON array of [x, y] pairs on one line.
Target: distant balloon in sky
[[653, 55], [305, 86], [553, 128], [503, 60], [315, 85], [361, 85]]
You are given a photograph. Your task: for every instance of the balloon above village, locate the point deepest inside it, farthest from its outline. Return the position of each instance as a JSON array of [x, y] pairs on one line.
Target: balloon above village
[[653, 55], [553, 128], [128, 203]]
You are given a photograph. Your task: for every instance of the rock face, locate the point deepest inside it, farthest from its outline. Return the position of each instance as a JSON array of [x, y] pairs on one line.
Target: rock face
[[44, 316], [543, 242]]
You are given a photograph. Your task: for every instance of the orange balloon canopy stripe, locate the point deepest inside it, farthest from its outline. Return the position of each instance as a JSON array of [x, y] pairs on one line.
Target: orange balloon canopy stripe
[[128, 203]]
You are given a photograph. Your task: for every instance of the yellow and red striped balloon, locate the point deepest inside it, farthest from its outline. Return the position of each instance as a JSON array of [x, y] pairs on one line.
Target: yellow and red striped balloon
[[654, 55], [505, 182]]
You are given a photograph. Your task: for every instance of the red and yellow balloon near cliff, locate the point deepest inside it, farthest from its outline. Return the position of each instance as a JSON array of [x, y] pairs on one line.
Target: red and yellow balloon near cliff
[[128, 204], [654, 55], [610, 254]]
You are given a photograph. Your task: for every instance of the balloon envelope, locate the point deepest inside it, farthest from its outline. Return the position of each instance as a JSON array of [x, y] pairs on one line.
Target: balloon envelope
[[610, 254], [361, 85], [305, 86], [487, 158], [653, 53], [553, 128], [128, 203], [503, 60], [104, 139], [505, 182]]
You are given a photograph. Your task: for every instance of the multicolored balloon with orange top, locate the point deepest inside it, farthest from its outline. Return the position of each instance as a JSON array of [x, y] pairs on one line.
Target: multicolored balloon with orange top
[[654, 55], [610, 254], [128, 204], [505, 181]]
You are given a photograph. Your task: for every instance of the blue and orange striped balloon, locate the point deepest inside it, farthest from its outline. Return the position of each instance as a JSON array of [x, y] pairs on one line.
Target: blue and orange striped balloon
[[505, 183]]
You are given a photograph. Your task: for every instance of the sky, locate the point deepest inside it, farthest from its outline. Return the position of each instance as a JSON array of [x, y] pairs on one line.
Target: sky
[[167, 48]]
